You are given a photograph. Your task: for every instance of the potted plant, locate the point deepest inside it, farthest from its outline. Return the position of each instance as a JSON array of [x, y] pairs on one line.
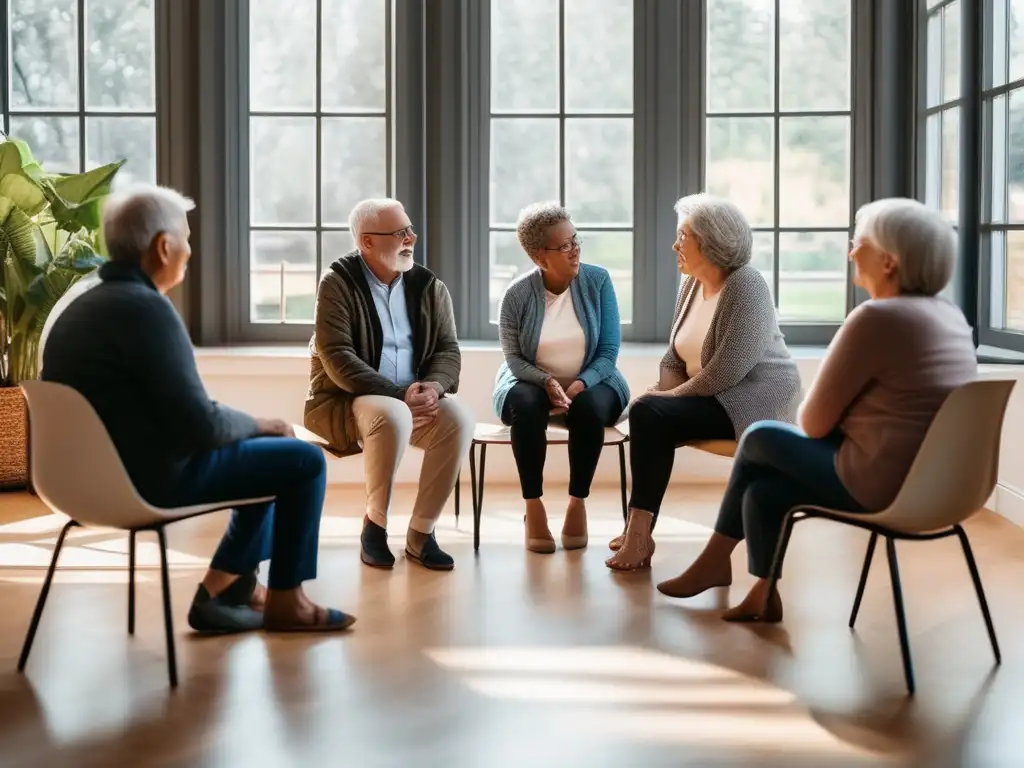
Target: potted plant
[[50, 237]]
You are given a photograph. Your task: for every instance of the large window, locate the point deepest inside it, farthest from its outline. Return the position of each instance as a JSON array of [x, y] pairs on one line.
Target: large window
[[1003, 173], [942, 108], [81, 83], [778, 142], [561, 128], [319, 141]]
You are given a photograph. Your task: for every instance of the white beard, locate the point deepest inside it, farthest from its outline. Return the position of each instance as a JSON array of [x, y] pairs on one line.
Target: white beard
[[401, 261]]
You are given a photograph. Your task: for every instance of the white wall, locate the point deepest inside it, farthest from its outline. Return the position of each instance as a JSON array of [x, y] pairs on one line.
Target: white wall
[[272, 382]]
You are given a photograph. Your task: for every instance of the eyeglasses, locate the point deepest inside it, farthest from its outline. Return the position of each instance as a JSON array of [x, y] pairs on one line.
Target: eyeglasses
[[401, 234], [567, 247]]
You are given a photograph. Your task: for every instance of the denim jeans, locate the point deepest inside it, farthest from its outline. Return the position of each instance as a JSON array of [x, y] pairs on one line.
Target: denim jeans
[[778, 467], [287, 531]]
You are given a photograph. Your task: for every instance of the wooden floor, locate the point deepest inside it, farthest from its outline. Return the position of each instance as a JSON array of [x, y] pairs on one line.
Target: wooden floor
[[515, 659]]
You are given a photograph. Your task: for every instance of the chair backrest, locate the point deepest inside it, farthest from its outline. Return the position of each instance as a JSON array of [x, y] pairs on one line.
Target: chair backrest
[[956, 468], [75, 467]]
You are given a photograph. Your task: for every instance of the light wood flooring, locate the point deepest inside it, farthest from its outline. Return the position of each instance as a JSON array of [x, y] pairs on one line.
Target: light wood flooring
[[515, 659]]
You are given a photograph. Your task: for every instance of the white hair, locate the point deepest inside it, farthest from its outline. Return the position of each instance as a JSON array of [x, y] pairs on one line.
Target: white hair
[[132, 218], [367, 211], [921, 239], [535, 222], [720, 226]]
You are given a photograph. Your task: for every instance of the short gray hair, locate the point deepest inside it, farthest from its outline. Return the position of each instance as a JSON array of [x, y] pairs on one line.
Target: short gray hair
[[535, 221], [724, 233], [132, 218], [920, 238], [366, 211]]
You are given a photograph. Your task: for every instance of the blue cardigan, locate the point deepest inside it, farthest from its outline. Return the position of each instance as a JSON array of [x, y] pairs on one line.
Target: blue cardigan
[[521, 318]]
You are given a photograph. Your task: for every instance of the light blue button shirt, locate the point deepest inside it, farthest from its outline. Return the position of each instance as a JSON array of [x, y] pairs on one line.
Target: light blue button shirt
[[396, 363]]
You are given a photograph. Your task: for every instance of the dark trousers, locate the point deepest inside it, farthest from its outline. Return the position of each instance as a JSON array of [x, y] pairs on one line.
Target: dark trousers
[[286, 532], [526, 412], [777, 467], [657, 426]]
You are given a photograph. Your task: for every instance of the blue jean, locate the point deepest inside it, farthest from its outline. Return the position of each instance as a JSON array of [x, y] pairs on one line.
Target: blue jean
[[287, 532], [778, 467]]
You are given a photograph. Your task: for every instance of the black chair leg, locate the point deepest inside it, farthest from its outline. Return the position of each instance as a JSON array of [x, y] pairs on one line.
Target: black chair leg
[[131, 582], [478, 510], [172, 662], [901, 618], [38, 612], [863, 578], [622, 482], [458, 487], [780, 552], [972, 566], [472, 490]]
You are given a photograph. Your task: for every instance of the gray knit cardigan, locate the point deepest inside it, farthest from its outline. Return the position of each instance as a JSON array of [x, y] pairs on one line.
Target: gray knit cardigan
[[745, 363]]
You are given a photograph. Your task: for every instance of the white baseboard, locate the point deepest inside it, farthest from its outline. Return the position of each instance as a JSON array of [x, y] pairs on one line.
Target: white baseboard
[[1008, 502]]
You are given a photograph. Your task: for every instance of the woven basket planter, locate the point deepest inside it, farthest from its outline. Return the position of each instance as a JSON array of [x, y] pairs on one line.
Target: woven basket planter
[[13, 439]]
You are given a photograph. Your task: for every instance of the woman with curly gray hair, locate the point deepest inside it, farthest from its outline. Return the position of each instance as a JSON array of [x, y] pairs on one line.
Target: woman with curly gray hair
[[726, 367], [886, 374], [559, 331]]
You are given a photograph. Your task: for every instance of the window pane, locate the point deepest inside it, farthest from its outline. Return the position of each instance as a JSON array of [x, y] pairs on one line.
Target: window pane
[[814, 166], [614, 252], [951, 51], [997, 185], [1015, 161], [507, 262], [120, 45], [951, 162], [282, 55], [598, 55], [1015, 280], [814, 55], [333, 245], [740, 164], [524, 165], [353, 71], [1016, 39], [354, 166], [763, 259], [933, 74], [53, 140], [599, 170], [283, 278], [282, 170], [740, 55], [933, 161], [44, 41], [812, 276], [1000, 34], [524, 55], [133, 139]]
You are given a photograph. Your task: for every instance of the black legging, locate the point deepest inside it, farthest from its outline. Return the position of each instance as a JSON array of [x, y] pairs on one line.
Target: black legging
[[526, 411], [657, 425]]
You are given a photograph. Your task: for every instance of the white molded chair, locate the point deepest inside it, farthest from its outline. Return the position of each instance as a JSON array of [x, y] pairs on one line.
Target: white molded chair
[[77, 472], [951, 478]]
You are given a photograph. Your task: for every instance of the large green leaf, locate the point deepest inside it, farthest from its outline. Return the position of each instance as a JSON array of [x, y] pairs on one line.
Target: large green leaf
[[21, 178], [76, 199]]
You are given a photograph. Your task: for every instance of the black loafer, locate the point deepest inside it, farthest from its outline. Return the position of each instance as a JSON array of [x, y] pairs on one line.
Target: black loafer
[[431, 556], [374, 545], [213, 615]]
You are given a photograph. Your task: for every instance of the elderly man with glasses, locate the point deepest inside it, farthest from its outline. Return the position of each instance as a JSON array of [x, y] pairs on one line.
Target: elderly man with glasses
[[385, 357]]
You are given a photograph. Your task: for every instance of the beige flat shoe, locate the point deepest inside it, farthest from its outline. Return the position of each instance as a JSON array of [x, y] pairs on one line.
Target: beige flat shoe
[[542, 546]]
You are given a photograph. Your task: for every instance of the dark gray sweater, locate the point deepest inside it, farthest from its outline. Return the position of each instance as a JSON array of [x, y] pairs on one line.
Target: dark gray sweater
[[123, 346]]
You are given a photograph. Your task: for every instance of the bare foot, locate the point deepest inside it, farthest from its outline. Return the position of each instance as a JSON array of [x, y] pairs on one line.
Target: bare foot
[[616, 544], [755, 607], [637, 546], [259, 598], [703, 575]]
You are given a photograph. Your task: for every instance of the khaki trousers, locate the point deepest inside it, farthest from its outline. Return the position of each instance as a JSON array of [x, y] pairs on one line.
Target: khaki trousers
[[384, 425]]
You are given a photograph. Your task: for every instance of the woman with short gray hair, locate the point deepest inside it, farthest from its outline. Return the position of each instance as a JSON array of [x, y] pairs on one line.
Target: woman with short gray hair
[[559, 331], [726, 367], [885, 376]]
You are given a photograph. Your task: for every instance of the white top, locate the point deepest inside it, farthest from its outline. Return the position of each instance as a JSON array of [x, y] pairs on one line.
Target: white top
[[562, 346], [689, 340]]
